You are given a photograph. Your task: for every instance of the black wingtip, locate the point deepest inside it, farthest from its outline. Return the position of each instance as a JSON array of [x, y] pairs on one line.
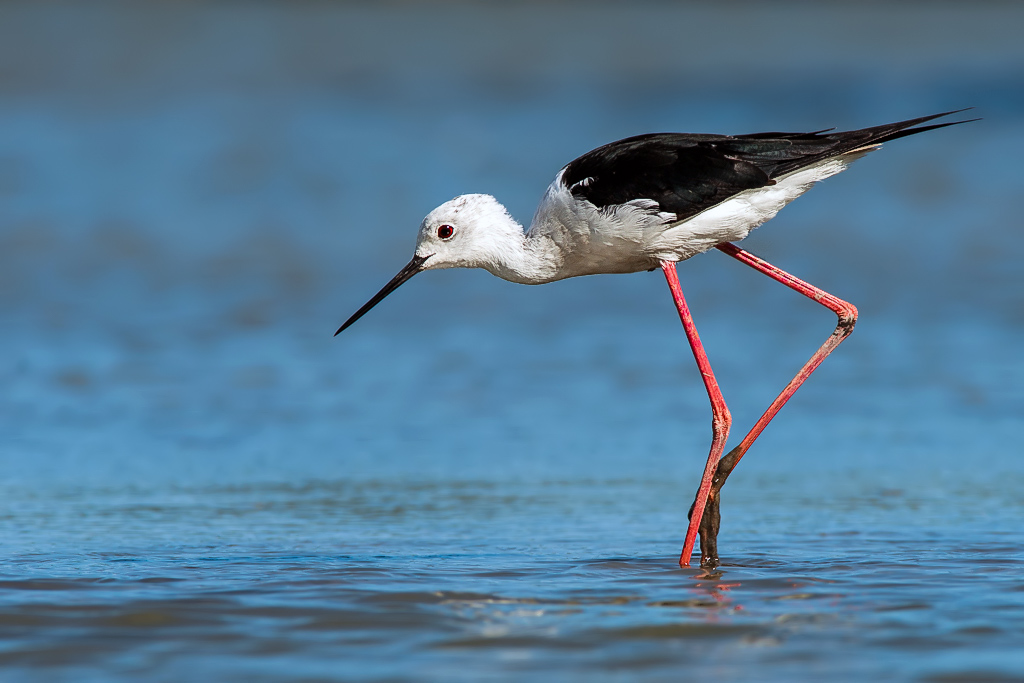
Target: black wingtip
[[912, 126], [924, 119]]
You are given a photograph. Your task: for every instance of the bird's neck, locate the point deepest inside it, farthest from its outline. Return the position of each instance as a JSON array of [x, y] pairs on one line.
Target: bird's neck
[[522, 257]]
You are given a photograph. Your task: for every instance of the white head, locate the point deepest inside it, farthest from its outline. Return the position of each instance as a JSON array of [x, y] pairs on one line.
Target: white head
[[470, 231]]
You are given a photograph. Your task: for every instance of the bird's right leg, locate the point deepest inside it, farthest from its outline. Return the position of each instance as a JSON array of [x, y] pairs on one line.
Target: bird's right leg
[[847, 314], [720, 417]]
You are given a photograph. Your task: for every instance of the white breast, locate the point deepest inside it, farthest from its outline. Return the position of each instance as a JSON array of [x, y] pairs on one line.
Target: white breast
[[592, 241]]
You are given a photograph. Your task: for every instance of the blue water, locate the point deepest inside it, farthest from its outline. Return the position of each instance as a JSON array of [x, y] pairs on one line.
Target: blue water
[[483, 481]]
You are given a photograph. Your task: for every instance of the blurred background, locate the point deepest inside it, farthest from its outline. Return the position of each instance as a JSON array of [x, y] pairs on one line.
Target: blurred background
[[193, 196]]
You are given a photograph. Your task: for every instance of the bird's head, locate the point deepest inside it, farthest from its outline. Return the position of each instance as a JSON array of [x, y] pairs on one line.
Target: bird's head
[[470, 231], [466, 232]]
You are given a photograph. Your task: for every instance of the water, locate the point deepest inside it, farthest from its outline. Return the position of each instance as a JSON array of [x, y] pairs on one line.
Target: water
[[481, 481]]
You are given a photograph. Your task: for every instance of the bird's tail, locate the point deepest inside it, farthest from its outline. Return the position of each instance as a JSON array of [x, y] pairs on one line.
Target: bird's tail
[[876, 135]]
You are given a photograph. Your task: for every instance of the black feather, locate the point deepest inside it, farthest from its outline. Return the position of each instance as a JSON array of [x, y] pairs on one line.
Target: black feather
[[689, 173]]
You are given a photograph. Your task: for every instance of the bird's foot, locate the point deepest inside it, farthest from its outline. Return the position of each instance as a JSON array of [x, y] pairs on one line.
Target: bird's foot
[[712, 518], [708, 531]]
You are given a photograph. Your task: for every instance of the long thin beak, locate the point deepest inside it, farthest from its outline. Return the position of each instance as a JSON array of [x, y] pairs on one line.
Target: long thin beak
[[413, 267]]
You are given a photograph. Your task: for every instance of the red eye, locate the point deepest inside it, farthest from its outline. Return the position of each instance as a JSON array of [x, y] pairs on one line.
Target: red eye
[[445, 231]]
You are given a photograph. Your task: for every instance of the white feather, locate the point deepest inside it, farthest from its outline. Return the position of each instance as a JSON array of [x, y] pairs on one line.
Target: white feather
[[570, 237]]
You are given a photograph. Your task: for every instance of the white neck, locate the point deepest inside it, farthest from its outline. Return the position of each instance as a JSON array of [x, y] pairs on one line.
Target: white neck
[[528, 258]]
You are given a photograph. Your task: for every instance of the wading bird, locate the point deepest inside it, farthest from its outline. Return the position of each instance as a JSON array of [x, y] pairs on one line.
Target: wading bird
[[648, 202]]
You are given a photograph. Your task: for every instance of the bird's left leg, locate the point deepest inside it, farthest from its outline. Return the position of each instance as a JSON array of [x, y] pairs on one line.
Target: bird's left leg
[[720, 417], [847, 314]]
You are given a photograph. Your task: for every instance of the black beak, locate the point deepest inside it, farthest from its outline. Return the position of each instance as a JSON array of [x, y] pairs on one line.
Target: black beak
[[413, 267]]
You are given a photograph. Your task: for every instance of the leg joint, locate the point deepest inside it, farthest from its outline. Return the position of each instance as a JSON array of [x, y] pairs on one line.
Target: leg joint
[[722, 421], [847, 318]]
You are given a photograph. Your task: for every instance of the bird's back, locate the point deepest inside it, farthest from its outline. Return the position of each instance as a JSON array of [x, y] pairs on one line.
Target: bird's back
[[688, 173], [628, 204]]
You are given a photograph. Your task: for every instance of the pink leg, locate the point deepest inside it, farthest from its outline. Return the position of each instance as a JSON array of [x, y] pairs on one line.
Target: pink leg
[[720, 417], [847, 314]]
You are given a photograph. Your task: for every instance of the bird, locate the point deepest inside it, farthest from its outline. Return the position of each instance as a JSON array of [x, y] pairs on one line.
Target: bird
[[648, 202]]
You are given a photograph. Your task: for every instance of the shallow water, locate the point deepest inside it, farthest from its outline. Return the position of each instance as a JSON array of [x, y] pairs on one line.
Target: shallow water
[[480, 480], [393, 579]]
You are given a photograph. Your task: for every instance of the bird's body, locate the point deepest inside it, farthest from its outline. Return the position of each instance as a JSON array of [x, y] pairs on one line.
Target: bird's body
[[651, 201], [629, 205], [569, 237]]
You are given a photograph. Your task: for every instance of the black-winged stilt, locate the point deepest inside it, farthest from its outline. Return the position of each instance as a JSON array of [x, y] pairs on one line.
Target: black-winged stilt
[[647, 202]]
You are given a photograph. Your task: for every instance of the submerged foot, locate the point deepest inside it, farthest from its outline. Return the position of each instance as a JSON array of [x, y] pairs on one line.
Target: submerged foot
[[712, 519]]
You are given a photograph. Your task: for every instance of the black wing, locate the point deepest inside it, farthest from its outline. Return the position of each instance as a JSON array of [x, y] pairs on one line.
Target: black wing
[[688, 173]]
